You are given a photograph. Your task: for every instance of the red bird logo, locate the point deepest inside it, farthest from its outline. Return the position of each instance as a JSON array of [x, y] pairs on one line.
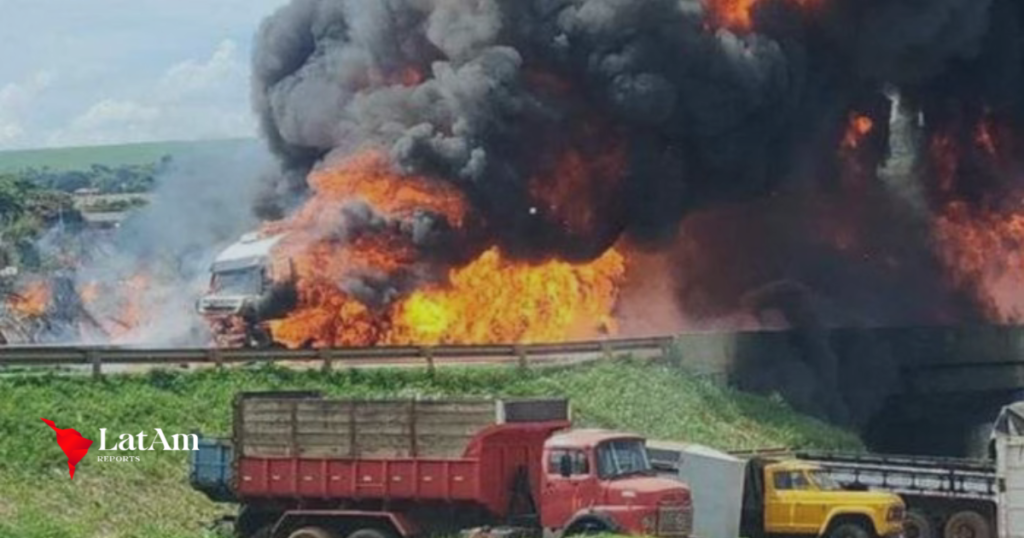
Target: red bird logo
[[75, 446]]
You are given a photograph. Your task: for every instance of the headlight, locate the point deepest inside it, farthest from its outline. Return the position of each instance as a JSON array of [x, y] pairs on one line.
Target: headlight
[[895, 513]]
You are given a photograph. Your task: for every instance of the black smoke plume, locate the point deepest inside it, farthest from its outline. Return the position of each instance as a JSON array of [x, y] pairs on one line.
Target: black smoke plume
[[503, 88], [742, 126]]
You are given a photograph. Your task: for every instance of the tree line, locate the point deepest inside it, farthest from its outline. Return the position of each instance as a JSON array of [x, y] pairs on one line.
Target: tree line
[[36, 200], [103, 179], [26, 212]]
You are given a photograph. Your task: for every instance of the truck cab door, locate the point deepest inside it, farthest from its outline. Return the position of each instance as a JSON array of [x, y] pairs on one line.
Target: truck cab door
[[777, 504], [569, 486], [792, 504]]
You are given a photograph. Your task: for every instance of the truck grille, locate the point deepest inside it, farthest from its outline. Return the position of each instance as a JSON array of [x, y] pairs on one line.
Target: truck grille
[[211, 307], [674, 521]]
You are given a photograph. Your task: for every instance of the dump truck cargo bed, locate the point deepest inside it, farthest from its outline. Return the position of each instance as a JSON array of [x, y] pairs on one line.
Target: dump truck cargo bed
[[322, 428], [419, 479]]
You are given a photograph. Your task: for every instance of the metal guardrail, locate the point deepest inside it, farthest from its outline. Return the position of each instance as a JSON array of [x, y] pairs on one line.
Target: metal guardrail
[[932, 359], [95, 358]]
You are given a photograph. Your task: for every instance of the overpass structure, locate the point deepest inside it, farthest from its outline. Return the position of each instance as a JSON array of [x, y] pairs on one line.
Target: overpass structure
[[929, 360]]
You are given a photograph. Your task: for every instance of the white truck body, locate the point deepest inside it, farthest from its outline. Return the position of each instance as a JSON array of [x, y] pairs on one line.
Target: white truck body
[[1009, 447], [716, 482]]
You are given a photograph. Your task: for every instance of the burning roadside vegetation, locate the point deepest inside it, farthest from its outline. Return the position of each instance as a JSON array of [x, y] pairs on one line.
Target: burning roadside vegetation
[[482, 171]]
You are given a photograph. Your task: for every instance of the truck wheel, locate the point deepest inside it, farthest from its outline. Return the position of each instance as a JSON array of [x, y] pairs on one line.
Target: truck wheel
[[849, 530], [263, 532], [967, 524], [587, 526], [917, 525], [311, 532], [370, 533]]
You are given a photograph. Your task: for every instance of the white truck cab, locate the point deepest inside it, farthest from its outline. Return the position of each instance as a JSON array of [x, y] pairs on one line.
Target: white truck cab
[[247, 288]]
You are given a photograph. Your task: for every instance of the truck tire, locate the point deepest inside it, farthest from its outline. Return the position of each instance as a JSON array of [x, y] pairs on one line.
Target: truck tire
[[918, 525], [849, 530], [370, 533], [263, 532], [588, 526], [967, 524], [312, 532]]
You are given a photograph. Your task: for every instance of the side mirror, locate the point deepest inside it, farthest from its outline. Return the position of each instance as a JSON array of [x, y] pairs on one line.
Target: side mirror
[[565, 465]]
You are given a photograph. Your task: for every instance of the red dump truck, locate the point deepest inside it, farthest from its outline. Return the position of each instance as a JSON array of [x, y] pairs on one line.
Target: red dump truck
[[305, 466]]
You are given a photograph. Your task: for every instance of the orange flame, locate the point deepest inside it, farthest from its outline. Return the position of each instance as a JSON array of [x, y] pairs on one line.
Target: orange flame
[[733, 14], [985, 249], [981, 242], [133, 311], [119, 306], [407, 76], [857, 157], [492, 300], [859, 127], [33, 301], [489, 300], [737, 15]]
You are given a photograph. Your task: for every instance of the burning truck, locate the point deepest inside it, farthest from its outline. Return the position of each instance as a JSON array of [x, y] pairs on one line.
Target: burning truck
[[247, 289]]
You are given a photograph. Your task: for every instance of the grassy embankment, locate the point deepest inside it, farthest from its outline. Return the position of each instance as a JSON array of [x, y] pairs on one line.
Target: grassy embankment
[[151, 499]]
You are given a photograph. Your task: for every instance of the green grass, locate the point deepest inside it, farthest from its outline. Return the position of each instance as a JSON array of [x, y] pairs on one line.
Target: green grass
[[82, 158], [152, 499]]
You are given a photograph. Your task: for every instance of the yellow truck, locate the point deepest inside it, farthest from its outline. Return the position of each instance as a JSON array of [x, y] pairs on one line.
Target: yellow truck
[[765, 497]]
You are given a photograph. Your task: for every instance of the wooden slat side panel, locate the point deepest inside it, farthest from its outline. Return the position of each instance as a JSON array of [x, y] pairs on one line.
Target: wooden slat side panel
[[311, 427]]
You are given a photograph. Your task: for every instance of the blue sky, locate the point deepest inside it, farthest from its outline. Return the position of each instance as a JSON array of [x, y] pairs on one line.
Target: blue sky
[[84, 72]]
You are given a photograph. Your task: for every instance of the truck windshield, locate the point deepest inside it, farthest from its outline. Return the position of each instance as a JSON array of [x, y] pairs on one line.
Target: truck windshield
[[622, 458], [824, 481], [240, 282]]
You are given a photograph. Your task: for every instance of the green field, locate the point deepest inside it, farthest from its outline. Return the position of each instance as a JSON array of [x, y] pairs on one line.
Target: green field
[[151, 499], [82, 158]]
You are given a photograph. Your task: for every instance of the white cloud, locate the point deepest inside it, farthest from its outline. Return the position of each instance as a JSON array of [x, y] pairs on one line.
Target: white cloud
[[192, 99], [190, 77], [107, 122], [16, 100], [186, 58], [10, 133]]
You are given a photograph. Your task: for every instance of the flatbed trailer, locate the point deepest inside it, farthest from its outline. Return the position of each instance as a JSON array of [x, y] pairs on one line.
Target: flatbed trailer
[[945, 497]]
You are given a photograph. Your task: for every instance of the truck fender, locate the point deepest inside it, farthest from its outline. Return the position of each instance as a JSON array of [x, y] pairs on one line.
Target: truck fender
[[597, 516], [844, 512], [399, 522]]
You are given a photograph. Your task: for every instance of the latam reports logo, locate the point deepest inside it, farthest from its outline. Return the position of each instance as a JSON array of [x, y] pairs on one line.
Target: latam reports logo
[[76, 446]]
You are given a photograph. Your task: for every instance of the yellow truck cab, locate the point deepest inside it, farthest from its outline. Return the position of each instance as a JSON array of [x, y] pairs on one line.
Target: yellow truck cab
[[801, 499], [773, 497]]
